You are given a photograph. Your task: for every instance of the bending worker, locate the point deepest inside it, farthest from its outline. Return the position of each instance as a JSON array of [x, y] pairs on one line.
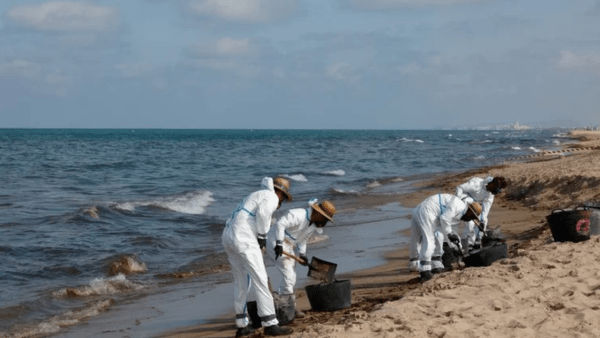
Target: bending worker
[[291, 234], [480, 190], [437, 213], [244, 236]]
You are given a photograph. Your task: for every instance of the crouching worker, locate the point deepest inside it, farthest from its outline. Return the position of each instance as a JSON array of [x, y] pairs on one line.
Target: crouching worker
[[291, 235], [437, 213], [481, 190], [244, 236]]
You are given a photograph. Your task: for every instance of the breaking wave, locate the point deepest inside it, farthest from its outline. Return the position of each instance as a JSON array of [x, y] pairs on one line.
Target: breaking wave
[[101, 286], [297, 177], [126, 265], [338, 172], [56, 323], [188, 203]]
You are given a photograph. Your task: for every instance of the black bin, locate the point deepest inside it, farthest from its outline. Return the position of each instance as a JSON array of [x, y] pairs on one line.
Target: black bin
[[486, 255], [570, 225], [330, 296]]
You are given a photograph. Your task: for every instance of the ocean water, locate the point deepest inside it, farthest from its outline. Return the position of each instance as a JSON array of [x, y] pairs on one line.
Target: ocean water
[[90, 219]]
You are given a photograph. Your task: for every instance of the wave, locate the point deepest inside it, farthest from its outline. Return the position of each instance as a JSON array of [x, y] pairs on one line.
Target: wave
[[515, 148], [404, 139], [100, 287], [209, 264], [344, 192], [56, 323], [297, 177], [373, 184], [126, 265], [188, 203], [535, 150], [338, 172]]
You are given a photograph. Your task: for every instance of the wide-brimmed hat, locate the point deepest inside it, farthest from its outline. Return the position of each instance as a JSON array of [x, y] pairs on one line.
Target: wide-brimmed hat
[[476, 209], [325, 208], [284, 186]]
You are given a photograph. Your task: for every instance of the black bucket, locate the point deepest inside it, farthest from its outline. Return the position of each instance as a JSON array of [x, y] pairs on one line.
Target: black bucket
[[486, 255], [330, 296], [285, 309], [570, 225]]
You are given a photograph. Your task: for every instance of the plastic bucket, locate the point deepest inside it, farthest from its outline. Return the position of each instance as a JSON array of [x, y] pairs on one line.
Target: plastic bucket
[[486, 255], [285, 309], [330, 296], [570, 225]]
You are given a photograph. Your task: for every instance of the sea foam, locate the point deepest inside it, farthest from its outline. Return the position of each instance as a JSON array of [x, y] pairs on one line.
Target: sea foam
[[188, 203]]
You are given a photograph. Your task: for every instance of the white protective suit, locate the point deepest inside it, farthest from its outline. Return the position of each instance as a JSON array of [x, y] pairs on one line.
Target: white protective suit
[[438, 213], [474, 191], [250, 219], [293, 231]]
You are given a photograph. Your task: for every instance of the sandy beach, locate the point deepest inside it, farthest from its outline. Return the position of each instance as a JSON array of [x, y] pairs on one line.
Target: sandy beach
[[543, 289]]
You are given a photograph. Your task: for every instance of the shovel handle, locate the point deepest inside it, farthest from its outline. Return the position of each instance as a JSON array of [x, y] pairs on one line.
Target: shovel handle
[[294, 257]]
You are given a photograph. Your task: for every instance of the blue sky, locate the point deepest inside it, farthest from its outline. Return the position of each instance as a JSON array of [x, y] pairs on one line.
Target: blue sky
[[358, 64]]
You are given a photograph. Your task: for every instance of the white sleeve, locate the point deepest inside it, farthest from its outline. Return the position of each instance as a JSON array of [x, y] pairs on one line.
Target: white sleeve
[[451, 215], [462, 193]]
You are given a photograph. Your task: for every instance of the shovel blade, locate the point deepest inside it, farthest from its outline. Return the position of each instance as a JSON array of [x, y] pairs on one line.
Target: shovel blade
[[322, 269]]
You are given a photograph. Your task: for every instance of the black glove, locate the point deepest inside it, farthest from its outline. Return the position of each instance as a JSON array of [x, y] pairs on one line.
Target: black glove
[[454, 238], [262, 242], [278, 251], [304, 258]]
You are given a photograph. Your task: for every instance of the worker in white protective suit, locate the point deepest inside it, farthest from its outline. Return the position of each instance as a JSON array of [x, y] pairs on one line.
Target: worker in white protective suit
[[291, 234], [244, 236], [439, 213], [481, 190]]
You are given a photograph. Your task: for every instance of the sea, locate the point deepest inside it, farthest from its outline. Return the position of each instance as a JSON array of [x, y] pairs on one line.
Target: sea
[[93, 219]]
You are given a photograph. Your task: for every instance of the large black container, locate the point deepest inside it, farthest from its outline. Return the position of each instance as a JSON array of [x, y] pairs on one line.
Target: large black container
[[330, 296], [570, 225], [486, 255]]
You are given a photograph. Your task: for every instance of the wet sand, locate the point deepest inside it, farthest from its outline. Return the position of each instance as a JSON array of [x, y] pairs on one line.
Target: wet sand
[[543, 289]]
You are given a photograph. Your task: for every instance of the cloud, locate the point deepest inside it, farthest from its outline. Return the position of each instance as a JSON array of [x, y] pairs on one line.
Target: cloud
[[398, 4], [227, 47], [20, 68], [594, 10], [341, 71], [245, 11], [579, 61], [65, 16]]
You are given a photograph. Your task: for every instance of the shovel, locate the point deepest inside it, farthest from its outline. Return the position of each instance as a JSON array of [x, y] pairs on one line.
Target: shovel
[[317, 268]]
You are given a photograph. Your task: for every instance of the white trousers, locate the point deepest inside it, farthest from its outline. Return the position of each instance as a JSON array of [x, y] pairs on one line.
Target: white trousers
[[472, 233], [426, 247], [248, 268], [286, 266]]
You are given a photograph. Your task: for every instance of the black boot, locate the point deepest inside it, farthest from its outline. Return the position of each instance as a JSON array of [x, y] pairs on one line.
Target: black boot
[[276, 330], [436, 270], [425, 276], [243, 331]]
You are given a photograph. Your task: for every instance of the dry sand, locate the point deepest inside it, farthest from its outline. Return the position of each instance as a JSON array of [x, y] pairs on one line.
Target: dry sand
[[544, 289]]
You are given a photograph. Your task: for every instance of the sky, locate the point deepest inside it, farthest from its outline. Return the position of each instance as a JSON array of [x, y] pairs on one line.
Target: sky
[[299, 64]]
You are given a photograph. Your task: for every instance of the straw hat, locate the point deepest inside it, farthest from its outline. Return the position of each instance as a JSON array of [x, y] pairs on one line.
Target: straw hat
[[476, 209], [284, 186], [326, 209]]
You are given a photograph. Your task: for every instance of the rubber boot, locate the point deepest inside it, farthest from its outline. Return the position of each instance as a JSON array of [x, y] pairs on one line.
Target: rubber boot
[[437, 270], [425, 276], [276, 330], [299, 313], [243, 331]]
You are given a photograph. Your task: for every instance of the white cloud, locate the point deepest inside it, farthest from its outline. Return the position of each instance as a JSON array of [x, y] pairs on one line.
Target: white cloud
[[65, 16], [391, 4], [227, 47], [20, 68], [247, 11], [580, 61], [341, 71], [411, 68], [133, 70]]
